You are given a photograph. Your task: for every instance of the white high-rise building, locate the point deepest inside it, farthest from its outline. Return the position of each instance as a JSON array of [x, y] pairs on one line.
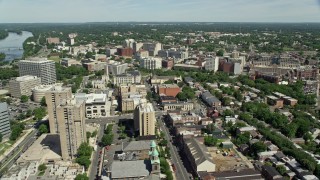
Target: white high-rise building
[[40, 67], [151, 63], [212, 64]]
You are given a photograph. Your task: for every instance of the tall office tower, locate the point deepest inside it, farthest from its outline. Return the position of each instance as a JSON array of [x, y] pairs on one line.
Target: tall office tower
[[71, 124], [40, 67], [144, 119], [106, 76], [4, 120], [54, 97]]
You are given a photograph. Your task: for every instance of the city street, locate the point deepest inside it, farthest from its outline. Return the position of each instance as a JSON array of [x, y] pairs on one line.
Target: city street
[[11, 158], [181, 172]]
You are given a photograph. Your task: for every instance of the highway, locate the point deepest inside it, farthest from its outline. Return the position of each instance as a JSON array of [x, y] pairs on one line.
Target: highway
[[181, 172], [11, 158]]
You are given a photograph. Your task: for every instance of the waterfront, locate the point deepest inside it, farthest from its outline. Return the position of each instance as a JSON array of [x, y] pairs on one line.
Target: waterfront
[[12, 45]]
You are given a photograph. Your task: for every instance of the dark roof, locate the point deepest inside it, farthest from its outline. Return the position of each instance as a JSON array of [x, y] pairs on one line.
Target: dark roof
[[134, 73], [199, 151], [167, 98], [188, 79], [279, 155], [271, 170], [233, 175]]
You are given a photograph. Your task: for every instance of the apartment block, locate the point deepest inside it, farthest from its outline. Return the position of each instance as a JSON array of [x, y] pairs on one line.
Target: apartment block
[[212, 64], [54, 98], [151, 63], [144, 119], [71, 124], [40, 67], [4, 120], [22, 85]]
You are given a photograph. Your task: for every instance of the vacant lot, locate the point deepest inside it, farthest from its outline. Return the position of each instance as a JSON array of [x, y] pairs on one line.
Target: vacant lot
[[226, 162]]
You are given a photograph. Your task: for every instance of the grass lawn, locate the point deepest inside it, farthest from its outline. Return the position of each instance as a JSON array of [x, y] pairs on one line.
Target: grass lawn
[[55, 58], [41, 173], [4, 146]]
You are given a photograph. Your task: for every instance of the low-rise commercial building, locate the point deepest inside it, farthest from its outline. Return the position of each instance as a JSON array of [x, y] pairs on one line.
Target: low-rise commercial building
[[23, 85], [181, 106], [178, 118], [211, 100], [274, 101], [198, 156]]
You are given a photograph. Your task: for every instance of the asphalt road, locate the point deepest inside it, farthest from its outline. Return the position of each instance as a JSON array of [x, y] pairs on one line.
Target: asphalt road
[[9, 160], [95, 160], [181, 172]]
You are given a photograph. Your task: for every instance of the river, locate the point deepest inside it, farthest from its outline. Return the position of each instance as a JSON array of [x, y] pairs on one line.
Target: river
[[12, 45]]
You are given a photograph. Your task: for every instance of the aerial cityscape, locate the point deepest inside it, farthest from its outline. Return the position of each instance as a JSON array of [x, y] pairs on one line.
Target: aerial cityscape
[[168, 90]]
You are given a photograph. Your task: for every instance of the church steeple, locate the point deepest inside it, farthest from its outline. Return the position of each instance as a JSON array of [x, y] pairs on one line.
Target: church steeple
[[154, 157]]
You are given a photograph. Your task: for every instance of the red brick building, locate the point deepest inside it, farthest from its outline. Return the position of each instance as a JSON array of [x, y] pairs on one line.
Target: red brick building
[[168, 89], [168, 64], [128, 52]]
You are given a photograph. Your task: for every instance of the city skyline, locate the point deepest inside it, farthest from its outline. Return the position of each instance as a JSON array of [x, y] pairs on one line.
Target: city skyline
[[158, 11]]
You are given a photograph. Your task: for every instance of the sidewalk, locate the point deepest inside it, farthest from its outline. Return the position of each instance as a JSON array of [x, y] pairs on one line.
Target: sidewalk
[[171, 169], [8, 151]]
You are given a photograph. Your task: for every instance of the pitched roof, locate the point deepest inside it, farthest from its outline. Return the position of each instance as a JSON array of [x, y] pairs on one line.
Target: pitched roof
[[199, 151]]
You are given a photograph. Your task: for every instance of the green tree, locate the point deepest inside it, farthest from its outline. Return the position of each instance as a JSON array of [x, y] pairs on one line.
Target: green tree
[[39, 113], [220, 52], [258, 147], [24, 98], [84, 149], [2, 56], [163, 142], [210, 141], [82, 177], [307, 137], [281, 169], [43, 129], [1, 137], [107, 139], [42, 167], [84, 161], [29, 113], [43, 101], [94, 133]]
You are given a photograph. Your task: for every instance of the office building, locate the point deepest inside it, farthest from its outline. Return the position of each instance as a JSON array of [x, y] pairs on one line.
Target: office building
[[144, 119], [71, 124], [4, 120], [151, 63], [40, 67], [22, 85], [97, 105], [117, 68], [54, 97]]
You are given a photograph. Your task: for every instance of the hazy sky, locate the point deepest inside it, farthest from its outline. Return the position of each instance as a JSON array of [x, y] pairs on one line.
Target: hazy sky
[[16, 11]]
